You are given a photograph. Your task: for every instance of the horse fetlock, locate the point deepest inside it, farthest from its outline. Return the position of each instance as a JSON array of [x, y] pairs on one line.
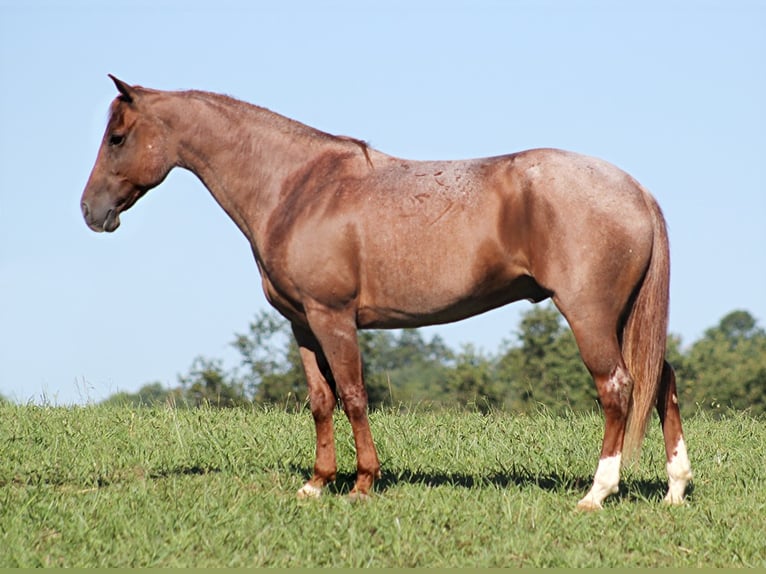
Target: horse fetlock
[[365, 479], [605, 482]]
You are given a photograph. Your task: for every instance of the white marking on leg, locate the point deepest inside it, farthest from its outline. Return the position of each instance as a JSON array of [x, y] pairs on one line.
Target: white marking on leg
[[605, 482], [308, 490], [679, 473]]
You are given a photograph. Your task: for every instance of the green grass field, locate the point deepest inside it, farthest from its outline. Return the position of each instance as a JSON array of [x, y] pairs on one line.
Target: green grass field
[[98, 486]]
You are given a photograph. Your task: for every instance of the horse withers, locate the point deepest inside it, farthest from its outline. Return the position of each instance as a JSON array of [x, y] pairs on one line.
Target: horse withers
[[346, 237]]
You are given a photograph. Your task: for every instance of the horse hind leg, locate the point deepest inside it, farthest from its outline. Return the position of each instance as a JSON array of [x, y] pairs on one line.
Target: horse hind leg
[[678, 466], [614, 388], [596, 336]]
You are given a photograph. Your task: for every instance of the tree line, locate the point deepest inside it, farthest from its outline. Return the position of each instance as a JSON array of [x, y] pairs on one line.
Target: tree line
[[539, 366]]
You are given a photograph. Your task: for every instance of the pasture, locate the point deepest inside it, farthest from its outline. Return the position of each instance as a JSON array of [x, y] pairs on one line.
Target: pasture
[[108, 487]]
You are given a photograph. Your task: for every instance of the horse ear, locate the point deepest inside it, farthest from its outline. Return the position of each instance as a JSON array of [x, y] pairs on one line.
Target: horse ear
[[126, 91]]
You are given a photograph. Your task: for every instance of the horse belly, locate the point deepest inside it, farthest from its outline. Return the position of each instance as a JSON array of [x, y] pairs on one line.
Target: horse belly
[[440, 282]]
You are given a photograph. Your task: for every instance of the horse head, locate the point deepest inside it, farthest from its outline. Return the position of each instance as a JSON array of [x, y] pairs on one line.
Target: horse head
[[133, 158]]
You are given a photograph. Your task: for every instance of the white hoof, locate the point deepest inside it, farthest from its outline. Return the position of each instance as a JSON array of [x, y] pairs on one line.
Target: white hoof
[[673, 499], [308, 490], [354, 496], [677, 488], [587, 504]]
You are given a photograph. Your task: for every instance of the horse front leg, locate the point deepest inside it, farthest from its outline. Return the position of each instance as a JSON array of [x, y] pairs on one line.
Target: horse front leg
[[322, 401], [336, 333]]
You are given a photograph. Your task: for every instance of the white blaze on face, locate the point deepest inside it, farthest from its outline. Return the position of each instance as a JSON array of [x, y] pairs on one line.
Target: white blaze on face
[[605, 482], [679, 473]]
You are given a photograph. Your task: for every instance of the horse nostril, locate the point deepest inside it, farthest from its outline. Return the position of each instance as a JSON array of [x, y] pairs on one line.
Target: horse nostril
[[85, 210]]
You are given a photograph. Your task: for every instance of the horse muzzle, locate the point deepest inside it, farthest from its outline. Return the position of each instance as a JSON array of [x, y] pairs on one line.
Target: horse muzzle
[[104, 221]]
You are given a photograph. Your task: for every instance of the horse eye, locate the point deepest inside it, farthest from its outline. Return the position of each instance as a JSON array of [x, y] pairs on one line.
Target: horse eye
[[116, 140]]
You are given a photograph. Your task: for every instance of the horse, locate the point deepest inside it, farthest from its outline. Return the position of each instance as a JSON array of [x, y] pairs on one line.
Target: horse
[[346, 237]]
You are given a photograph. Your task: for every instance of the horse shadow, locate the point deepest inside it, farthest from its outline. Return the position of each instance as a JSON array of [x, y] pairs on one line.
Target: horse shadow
[[631, 489]]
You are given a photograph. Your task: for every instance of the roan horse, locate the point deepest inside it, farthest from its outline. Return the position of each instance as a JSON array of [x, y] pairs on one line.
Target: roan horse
[[346, 237]]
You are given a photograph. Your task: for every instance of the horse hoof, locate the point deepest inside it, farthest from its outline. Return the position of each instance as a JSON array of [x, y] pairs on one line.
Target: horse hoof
[[308, 490], [673, 500], [588, 505], [355, 496]]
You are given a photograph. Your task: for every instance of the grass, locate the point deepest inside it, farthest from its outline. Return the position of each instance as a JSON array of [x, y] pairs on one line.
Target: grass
[[117, 487]]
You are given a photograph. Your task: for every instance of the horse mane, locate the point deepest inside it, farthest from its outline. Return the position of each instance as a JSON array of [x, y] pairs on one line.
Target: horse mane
[[365, 147], [284, 122]]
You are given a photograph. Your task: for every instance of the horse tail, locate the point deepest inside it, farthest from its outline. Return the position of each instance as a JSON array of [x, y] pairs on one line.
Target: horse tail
[[644, 333]]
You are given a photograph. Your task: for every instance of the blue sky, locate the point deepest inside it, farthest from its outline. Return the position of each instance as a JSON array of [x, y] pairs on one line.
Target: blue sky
[[672, 92]]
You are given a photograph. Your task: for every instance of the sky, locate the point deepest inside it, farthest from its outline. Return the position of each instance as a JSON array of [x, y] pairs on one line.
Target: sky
[[672, 92]]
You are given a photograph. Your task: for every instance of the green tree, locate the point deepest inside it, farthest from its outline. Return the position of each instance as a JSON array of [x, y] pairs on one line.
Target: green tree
[[208, 383], [726, 368], [376, 349], [397, 365], [402, 367], [544, 366], [151, 394], [674, 354], [471, 382], [273, 370]]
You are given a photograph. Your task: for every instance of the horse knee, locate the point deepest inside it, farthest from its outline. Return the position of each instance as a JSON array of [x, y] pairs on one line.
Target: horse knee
[[322, 402], [355, 402]]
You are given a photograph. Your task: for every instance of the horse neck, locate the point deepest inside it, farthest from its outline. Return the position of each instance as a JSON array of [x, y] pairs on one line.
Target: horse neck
[[241, 153]]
